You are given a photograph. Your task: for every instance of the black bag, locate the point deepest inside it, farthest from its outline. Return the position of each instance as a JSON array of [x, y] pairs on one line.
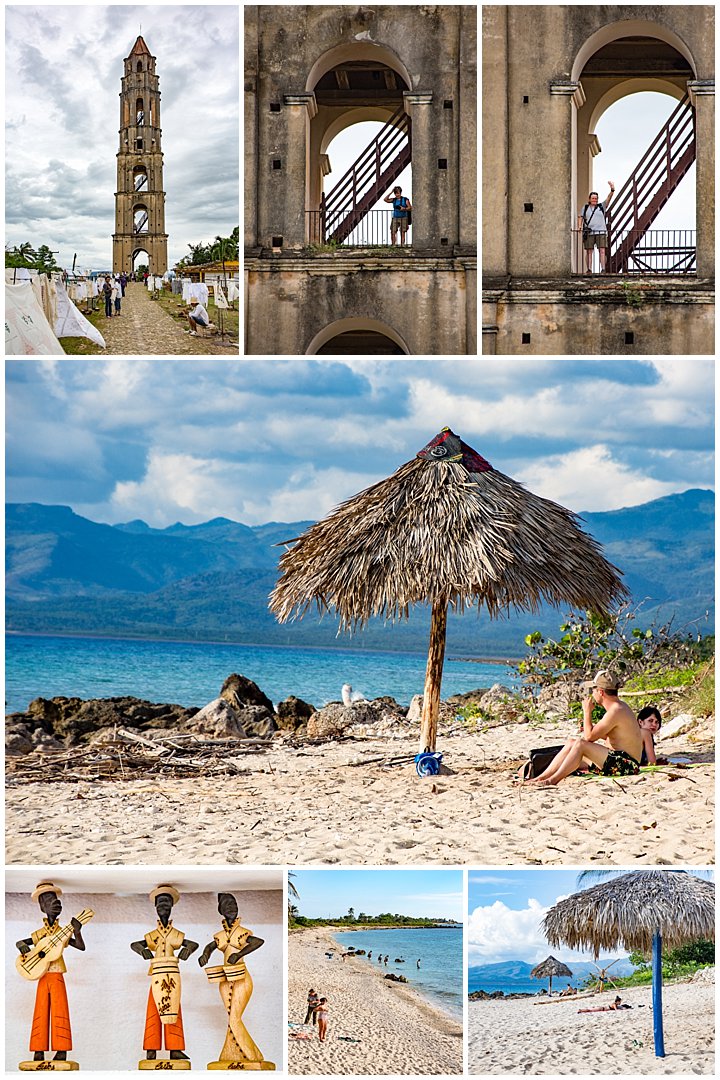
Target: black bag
[[539, 761], [409, 218]]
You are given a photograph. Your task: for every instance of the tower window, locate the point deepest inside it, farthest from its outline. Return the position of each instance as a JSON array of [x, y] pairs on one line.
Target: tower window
[[139, 66], [277, 241], [442, 163], [526, 339], [447, 104], [629, 337], [526, 99], [277, 163], [274, 106], [138, 144], [528, 207]]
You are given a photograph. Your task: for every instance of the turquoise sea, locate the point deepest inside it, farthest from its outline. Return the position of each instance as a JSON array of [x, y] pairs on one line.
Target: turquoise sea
[[440, 952], [191, 674]]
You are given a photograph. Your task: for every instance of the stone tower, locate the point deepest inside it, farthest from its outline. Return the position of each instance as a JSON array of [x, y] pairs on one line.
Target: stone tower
[[140, 199]]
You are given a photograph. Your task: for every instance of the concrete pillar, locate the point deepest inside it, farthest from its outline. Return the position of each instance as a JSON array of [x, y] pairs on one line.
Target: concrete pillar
[[251, 128], [470, 308], [702, 96], [425, 225], [287, 185], [465, 120], [495, 166]]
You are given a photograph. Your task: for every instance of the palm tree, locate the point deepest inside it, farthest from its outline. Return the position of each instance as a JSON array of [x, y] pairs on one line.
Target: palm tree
[[351, 913]]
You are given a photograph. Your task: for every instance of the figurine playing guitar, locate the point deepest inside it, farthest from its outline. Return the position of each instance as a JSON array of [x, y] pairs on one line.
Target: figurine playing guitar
[[41, 959]]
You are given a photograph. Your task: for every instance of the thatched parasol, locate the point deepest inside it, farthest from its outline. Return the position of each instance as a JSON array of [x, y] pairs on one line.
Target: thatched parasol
[[636, 911], [449, 530], [549, 968]]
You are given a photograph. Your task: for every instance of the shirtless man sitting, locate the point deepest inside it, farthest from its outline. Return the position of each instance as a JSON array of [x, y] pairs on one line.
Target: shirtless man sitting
[[618, 727]]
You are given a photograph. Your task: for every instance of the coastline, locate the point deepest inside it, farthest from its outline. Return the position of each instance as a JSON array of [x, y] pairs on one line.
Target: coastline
[[515, 1036], [399, 1031]]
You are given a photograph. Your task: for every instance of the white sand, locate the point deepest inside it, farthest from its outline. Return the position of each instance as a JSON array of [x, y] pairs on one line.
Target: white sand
[[520, 1037], [309, 806], [399, 1032]]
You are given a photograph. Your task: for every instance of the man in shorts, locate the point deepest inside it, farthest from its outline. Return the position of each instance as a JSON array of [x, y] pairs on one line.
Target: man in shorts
[[618, 755], [399, 220], [591, 221], [197, 316]]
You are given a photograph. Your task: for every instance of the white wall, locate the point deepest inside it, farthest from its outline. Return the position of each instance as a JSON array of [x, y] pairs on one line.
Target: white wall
[[108, 984]]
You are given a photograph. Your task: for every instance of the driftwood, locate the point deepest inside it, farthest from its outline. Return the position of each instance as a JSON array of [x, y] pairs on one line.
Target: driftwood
[[129, 756]]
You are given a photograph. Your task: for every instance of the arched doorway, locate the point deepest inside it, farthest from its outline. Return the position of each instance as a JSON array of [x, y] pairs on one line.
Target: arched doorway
[[627, 58], [140, 257], [357, 337], [354, 83]]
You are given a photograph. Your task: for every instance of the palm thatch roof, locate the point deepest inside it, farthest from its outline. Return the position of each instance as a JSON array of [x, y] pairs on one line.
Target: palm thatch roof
[[551, 969], [627, 911], [445, 528]]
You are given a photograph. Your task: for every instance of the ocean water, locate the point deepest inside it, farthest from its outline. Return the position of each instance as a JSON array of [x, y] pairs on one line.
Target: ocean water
[[517, 985], [191, 674], [440, 975]]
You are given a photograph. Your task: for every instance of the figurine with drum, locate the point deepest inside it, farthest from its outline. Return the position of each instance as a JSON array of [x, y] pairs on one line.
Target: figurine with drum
[[233, 980], [163, 1020]]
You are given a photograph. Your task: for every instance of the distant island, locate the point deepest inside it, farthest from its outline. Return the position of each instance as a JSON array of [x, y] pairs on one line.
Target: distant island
[[210, 582]]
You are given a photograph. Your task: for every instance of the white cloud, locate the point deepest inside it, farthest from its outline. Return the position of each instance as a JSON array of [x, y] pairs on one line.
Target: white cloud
[[590, 479], [497, 933]]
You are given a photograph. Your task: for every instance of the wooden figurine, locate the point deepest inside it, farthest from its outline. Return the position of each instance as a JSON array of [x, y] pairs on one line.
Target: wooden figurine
[[41, 959], [164, 1014], [235, 985]]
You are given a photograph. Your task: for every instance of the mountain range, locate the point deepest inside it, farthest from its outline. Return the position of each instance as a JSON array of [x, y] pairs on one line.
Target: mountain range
[[67, 574], [509, 971]]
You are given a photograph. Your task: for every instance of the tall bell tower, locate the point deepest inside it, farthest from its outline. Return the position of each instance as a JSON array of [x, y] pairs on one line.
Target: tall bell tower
[[140, 199]]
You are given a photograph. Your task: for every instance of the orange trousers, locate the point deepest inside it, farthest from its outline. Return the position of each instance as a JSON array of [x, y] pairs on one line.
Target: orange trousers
[[51, 1018], [154, 1029]]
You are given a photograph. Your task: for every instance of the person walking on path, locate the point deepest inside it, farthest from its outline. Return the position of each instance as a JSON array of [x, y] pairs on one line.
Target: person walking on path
[[591, 221]]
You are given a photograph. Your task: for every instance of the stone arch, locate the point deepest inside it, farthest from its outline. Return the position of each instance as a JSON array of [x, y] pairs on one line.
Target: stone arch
[[341, 326], [356, 50], [588, 107], [134, 257], [628, 28], [327, 123]]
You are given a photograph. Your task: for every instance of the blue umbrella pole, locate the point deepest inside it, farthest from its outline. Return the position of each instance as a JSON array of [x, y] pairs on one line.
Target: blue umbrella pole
[[657, 994]]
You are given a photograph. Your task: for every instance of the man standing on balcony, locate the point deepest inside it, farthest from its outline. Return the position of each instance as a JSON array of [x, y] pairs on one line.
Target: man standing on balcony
[[399, 220], [591, 221]]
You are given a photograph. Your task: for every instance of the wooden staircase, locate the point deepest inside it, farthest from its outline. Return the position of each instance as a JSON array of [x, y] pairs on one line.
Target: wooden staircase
[[650, 185], [368, 178]]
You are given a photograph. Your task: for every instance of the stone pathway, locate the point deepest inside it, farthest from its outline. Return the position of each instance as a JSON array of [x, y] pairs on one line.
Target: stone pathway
[[145, 328]]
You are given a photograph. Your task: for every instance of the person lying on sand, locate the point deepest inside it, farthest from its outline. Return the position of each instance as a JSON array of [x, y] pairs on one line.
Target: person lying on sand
[[569, 991], [650, 722], [617, 1004], [621, 755], [321, 1011]]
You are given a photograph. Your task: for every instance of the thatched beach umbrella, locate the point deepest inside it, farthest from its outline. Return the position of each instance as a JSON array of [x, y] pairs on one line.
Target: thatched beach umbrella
[[449, 530], [551, 967], [636, 912]]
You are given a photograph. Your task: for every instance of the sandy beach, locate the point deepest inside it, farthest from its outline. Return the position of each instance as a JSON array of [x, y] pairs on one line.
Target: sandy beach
[[314, 804], [521, 1037], [398, 1031]]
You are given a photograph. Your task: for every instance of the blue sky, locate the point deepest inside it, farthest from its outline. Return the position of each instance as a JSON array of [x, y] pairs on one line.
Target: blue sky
[[422, 893], [188, 439], [506, 908]]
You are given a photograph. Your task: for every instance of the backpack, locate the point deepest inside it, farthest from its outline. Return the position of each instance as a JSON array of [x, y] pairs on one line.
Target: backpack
[[586, 207], [539, 760]]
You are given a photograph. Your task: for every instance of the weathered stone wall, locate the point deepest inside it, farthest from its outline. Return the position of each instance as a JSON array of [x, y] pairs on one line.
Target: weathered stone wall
[[290, 301], [575, 319]]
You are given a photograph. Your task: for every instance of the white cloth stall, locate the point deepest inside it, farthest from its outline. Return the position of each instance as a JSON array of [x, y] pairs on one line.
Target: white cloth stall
[[27, 331], [72, 323]]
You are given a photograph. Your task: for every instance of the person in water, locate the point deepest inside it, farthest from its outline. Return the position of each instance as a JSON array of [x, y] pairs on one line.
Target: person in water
[[619, 755]]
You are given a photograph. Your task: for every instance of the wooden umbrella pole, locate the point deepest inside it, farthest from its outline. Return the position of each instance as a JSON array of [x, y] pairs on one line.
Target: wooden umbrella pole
[[433, 676]]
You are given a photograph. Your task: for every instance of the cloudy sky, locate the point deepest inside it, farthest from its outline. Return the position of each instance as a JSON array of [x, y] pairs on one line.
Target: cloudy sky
[[63, 68], [188, 439], [505, 909], [423, 894]]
